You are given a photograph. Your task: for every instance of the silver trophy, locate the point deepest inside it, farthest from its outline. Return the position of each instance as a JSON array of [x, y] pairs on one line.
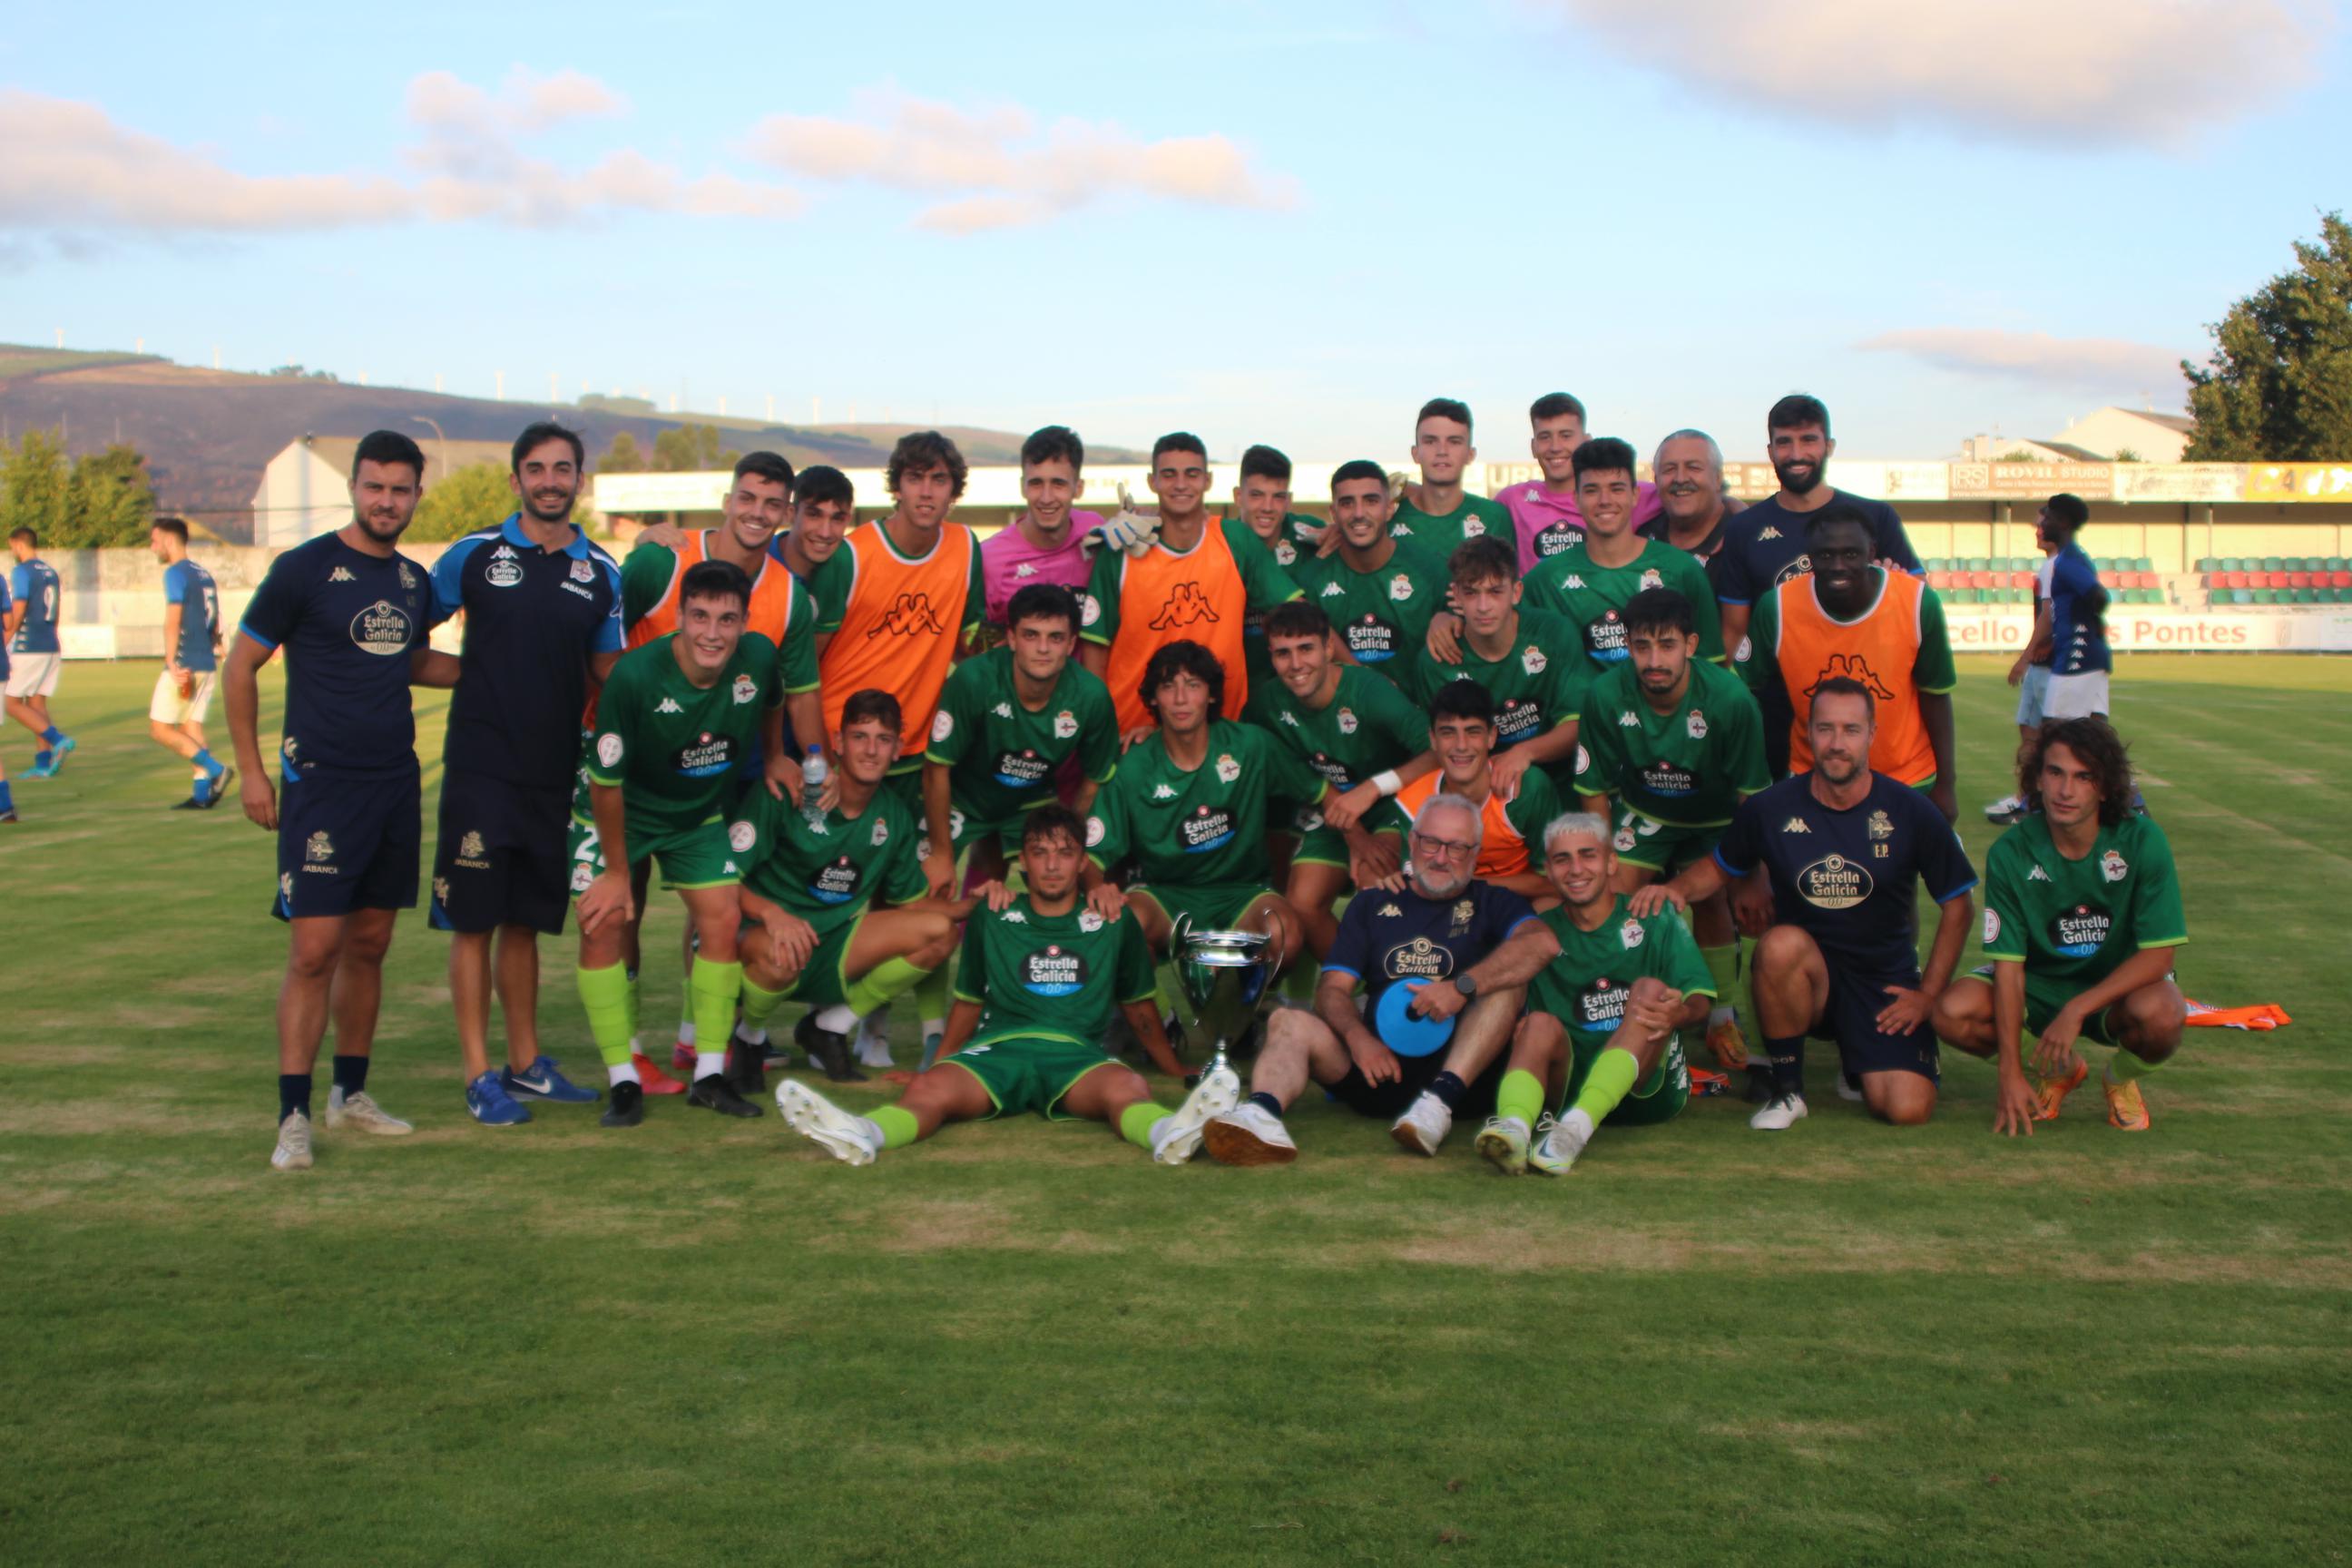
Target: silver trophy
[[1227, 977]]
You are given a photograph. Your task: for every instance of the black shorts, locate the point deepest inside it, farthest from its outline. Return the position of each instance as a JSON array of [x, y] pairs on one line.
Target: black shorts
[[1390, 1100], [347, 844], [501, 858], [1849, 1017]]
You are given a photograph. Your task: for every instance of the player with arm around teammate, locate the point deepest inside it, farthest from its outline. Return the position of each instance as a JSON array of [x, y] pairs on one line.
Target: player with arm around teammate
[[2083, 921], [1599, 1038], [1041, 971]]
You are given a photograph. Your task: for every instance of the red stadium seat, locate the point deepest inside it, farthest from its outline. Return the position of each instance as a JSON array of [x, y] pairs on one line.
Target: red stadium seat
[[2340, 579], [2020, 580], [2301, 580], [2274, 579], [2235, 579]]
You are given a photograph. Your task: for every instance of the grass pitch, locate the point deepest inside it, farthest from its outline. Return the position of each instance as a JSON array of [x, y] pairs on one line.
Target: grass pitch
[[703, 1342]]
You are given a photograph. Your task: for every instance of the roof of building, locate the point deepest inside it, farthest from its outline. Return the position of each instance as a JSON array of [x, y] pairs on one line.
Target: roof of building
[[441, 458]]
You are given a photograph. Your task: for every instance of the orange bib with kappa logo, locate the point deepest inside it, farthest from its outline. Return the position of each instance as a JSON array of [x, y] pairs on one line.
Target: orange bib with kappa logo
[[1501, 851], [899, 630], [770, 612], [1879, 650], [1165, 598]]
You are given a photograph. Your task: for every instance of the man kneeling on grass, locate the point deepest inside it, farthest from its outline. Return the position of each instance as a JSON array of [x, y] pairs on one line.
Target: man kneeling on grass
[[1602, 1017], [1049, 965]]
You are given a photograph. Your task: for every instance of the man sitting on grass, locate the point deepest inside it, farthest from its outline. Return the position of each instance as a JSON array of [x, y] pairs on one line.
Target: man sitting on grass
[[1040, 973]]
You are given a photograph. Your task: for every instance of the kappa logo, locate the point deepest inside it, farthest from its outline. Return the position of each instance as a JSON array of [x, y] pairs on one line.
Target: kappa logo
[[1532, 659], [1289, 718], [1066, 725], [1631, 935], [910, 614], [1390, 912], [741, 837], [668, 705], [441, 891], [1853, 667], [745, 689], [1573, 581], [1228, 769], [1186, 604], [2112, 867], [1400, 588], [1002, 710], [319, 847], [1161, 791], [728, 869], [1015, 917], [344, 575], [2037, 875], [1697, 725], [503, 553], [1770, 533], [1626, 720], [1025, 570], [1795, 825], [1332, 591]]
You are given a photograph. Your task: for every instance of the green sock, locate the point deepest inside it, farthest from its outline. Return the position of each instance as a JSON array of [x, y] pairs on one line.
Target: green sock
[[633, 1004], [900, 1127], [2123, 1067], [930, 990], [1723, 968], [1521, 1094], [875, 988], [1614, 1073], [1136, 1122], [610, 999], [760, 1004], [713, 991]]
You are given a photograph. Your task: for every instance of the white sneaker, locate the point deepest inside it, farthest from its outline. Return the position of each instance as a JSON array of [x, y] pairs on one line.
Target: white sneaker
[[362, 1114], [293, 1152], [1559, 1143], [1849, 1092], [1504, 1142], [1178, 1137], [874, 1041], [818, 1119], [1249, 1134], [2008, 808], [1781, 1113], [1423, 1125]]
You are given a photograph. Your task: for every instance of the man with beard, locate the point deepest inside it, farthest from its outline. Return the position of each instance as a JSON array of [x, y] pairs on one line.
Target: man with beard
[[1847, 850], [1545, 517], [2083, 923], [1042, 970], [1467, 947], [1691, 506], [1196, 582], [1676, 744], [1377, 591], [350, 611], [1510, 821], [542, 609], [1883, 628], [1438, 514], [1530, 663], [1600, 1038]]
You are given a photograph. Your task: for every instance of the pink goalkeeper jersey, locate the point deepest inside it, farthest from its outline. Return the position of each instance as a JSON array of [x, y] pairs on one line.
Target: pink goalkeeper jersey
[[1009, 562], [1549, 521]]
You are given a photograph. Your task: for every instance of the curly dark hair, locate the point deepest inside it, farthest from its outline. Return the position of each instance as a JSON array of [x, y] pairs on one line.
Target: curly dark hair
[[2093, 740], [1186, 658], [920, 450]]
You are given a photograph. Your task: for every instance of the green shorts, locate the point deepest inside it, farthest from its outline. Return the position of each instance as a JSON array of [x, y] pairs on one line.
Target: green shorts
[[823, 980], [696, 857], [2045, 1003], [1657, 1098], [1210, 906], [968, 830], [1025, 1070], [1319, 843], [1665, 847]]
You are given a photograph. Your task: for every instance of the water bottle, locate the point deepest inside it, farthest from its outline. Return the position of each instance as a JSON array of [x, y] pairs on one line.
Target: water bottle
[[812, 777]]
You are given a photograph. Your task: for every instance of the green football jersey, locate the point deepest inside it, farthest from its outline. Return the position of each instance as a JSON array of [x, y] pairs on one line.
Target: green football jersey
[[828, 874], [673, 747], [1057, 975], [1382, 616], [1688, 767], [2070, 922], [1368, 728], [1586, 988], [1289, 552], [1001, 757], [1538, 685], [1440, 536], [1206, 827], [1592, 597]]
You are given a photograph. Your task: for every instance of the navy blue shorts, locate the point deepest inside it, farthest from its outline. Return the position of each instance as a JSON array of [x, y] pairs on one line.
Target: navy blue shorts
[[1392, 1099], [501, 858], [347, 844], [1849, 1017]]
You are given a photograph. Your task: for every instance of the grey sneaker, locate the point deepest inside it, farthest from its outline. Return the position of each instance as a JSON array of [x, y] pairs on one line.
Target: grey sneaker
[[293, 1152], [360, 1114]]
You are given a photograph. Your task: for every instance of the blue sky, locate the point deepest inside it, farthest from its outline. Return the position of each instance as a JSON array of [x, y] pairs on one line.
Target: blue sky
[[1288, 230]]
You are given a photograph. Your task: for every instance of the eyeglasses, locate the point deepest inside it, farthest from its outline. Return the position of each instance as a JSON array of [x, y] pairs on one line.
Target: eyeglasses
[[1431, 849]]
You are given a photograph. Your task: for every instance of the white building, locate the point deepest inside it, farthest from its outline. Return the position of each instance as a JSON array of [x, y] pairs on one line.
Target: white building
[[306, 490], [2147, 436]]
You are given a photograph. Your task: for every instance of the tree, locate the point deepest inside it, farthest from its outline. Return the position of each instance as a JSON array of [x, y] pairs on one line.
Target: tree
[[476, 496], [2279, 387], [110, 499], [691, 450], [624, 458], [35, 485]]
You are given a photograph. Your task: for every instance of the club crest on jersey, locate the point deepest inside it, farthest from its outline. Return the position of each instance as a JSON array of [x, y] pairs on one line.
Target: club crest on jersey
[[584, 877], [1285, 553], [942, 725], [1649, 579], [582, 573], [608, 751], [503, 574], [1992, 925], [1348, 724], [319, 847], [1228, 768], [668, 705], [1002, 710], [745, 689], [407, 578], [2112, 867], [1094, 831], [1089, 609], [1625, 840], [1089, 922], [1630, 934], [1697, 725], [1532, 659], [1066, 725], [1473, 526], [1881, 827], [470, 852], [741, 837], [881, 833], [1400, 588]]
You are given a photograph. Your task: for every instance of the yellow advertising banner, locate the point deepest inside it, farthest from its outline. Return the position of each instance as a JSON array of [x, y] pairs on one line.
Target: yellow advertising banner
[[2299, 481]]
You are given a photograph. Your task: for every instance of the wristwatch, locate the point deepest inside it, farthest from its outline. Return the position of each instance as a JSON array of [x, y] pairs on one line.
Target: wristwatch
[[1466, 984]]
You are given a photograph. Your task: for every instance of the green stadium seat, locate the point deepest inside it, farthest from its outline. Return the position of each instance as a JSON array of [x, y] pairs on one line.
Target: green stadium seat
[[2143, 563], [2307, 596], [2337, 563], [2151, 596], [2232, 563], [2207, 564], [2271, 563], [2241, 596], [1979, 563]]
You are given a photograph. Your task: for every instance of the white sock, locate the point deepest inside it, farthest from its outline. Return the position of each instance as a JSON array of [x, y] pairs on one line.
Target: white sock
[[709, 1064], [1580, 1119], [686, 1031], [872, 1130], [636, 1044], [934, 1026], [625, 1073], [1719, 1016], [754, 1036], [838, 1019]]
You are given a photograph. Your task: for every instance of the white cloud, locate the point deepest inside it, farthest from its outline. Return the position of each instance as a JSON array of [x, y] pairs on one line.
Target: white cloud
[[997, 170], [2085, 72], [2088, 365]]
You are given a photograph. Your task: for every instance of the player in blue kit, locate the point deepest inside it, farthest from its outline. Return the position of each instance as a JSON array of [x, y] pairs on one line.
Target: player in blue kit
[[542, 609], [2080, 658], [184, 690], [1847, 850], [8, 801], [32, 651], [350, 611]]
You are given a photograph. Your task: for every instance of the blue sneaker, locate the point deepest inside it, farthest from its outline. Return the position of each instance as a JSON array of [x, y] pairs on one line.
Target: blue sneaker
[[492, 1106], [545, 1080], [65, 744]]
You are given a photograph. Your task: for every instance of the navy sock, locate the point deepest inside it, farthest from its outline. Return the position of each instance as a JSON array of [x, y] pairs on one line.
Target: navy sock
[[7, 803], [44, 757], [1268, 1103], [293, 1094], [351, 1074], [1788, 1064], [1449, 1089], [204, 758], [52, 735]]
